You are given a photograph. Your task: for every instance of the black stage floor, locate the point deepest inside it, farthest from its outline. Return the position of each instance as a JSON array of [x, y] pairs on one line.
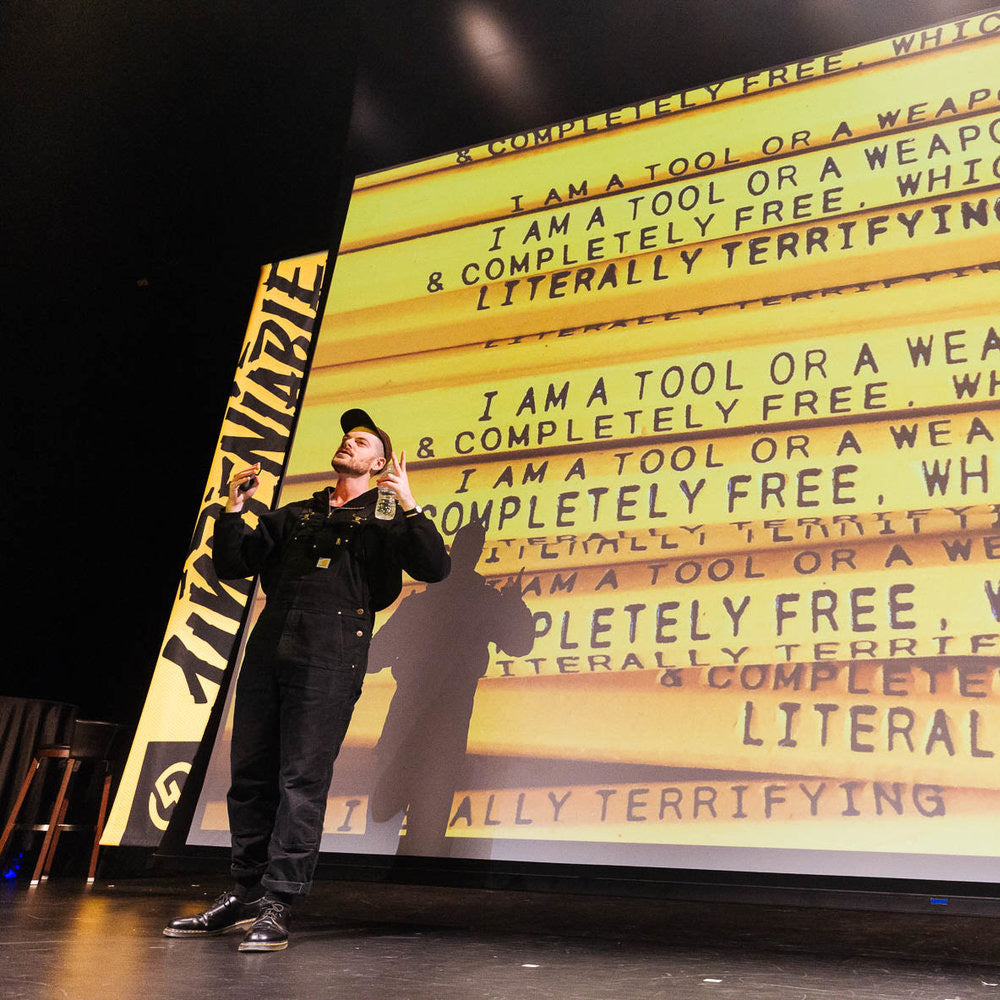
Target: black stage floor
[[394, 942]]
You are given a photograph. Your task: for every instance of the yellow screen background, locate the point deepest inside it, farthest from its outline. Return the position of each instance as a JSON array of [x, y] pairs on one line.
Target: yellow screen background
[[718, 371]]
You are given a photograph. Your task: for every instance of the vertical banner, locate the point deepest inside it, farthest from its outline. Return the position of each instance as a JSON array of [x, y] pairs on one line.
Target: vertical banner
[[206, 615], [703, 392]]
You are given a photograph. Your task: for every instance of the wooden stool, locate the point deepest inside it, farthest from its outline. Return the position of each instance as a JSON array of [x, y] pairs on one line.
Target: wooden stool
[[91, 742]]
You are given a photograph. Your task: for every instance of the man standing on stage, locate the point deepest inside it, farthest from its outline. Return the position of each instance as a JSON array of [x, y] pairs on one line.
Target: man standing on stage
[[326, 564]]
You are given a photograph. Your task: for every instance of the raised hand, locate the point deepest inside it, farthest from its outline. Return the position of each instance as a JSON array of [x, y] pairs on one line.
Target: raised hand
[[242, 486]]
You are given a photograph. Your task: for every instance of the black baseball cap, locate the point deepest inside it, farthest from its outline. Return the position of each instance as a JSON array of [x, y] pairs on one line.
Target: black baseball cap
[[359, 418]]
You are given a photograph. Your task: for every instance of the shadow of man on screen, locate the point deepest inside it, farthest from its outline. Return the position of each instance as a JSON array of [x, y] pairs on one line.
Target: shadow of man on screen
[[437, 646]]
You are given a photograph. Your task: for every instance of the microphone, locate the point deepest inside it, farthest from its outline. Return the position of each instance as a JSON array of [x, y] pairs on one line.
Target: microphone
[[248, 483]]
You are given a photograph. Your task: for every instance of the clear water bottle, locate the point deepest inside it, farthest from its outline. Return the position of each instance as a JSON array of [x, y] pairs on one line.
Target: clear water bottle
[[385, 504]]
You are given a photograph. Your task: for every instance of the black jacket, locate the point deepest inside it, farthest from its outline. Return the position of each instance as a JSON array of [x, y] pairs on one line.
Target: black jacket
[[312, 555]]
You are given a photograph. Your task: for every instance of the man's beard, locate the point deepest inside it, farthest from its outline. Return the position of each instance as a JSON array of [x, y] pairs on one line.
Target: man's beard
[[349, 466]]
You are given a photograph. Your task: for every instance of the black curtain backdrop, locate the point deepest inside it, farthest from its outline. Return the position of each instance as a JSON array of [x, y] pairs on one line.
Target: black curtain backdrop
[[155, 155]]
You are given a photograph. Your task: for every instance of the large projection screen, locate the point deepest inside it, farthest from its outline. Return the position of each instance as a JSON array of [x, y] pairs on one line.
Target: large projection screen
[[716, 372]]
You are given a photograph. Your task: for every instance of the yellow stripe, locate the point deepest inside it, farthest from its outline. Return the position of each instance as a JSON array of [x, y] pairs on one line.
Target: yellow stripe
[[632, 718], [864, 70], [822, 813]]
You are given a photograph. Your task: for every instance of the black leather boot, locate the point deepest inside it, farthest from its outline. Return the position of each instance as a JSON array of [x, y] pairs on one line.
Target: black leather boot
[[225, 914], [269, 931]]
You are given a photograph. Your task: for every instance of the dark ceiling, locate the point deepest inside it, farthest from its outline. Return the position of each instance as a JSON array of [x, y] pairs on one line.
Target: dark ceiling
[[155, 154]]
